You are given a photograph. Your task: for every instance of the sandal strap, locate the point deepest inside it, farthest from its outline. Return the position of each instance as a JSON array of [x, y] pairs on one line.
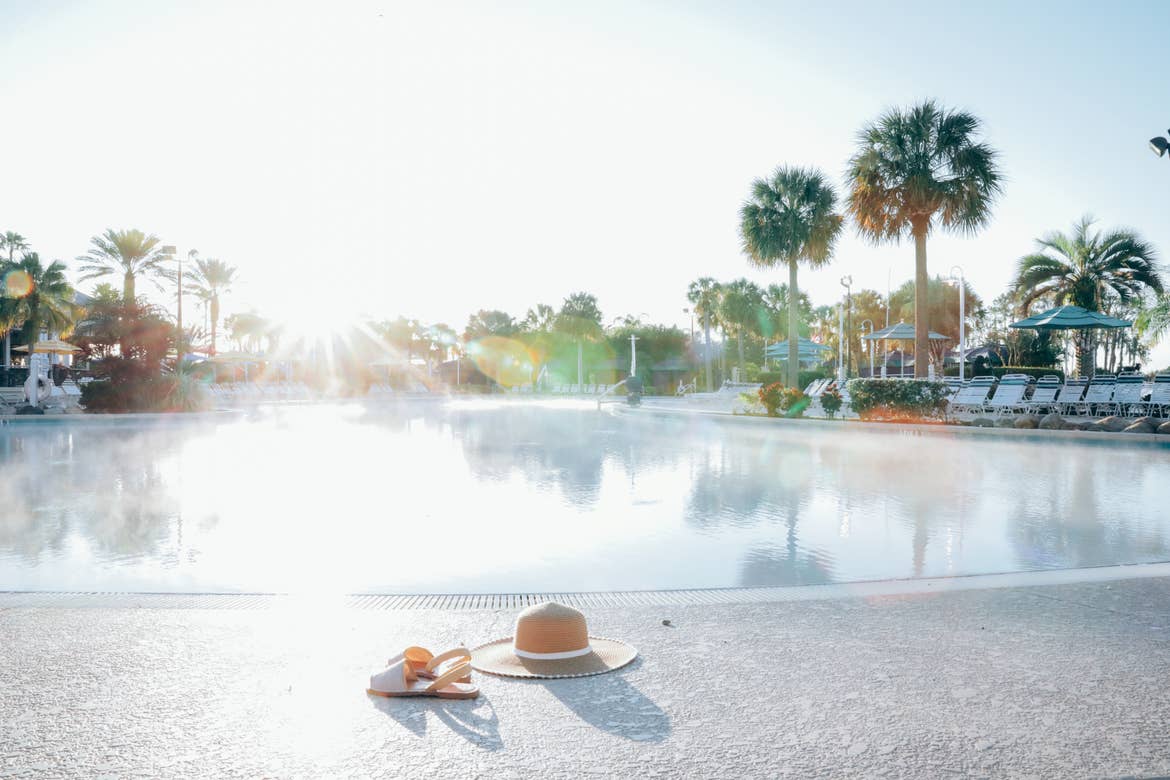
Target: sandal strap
[[456, 672], [456, 652], [417, 656]]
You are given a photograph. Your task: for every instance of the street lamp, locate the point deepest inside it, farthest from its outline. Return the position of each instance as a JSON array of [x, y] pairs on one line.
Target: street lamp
[[847, 283], [869, 345], [1160, 145], [962, 317]]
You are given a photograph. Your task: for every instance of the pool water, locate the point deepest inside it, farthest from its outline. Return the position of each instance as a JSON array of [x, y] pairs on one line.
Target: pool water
[[515, 497]]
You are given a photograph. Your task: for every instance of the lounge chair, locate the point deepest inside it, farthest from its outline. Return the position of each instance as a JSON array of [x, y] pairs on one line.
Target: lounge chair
[[1159, 403], [1098, 398], [1127, 395], [1044, 394], [1009, 394], [1071, 394], [973, 395]]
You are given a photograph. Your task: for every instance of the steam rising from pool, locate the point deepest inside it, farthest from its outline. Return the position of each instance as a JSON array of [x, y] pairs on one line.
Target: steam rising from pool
[[506, 497]]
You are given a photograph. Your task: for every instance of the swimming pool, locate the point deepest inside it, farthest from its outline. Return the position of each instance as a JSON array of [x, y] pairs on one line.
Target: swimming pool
[[516, 497]]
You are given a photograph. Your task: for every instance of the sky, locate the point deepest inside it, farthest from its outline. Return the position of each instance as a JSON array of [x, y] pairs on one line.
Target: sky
[[434, 158]]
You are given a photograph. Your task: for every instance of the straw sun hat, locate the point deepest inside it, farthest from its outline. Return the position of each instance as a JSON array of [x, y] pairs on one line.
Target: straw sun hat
[[551, 640]]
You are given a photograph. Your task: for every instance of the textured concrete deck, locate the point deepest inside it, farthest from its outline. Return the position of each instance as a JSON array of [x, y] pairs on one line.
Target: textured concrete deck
[[1047, 681]]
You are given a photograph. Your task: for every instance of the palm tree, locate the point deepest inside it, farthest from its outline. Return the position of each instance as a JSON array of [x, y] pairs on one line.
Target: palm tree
[[12, 243], [1086, 269], [210, 279], [788, 218], [580, 319], [704, 295], [131, 252], [740, 309], [47, 304], [1154, 321], [915, 170]]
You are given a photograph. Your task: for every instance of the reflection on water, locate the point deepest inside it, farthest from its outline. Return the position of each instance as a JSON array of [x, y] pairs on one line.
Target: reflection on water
[[512, 497]]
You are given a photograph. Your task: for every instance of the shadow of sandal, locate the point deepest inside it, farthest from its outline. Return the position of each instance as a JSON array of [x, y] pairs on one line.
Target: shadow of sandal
[[475, 720]]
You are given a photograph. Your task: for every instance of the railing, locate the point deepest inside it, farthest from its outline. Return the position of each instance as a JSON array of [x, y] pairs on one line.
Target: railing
[[609, 390]]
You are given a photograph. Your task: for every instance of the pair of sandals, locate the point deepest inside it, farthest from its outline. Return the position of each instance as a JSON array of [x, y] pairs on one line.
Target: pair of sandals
[[416, 671]]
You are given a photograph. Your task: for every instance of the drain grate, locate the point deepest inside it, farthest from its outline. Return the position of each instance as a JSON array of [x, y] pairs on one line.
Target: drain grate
[[593, 600]]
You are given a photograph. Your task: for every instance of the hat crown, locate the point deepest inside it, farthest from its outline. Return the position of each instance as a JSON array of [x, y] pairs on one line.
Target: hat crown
[[550, 628]]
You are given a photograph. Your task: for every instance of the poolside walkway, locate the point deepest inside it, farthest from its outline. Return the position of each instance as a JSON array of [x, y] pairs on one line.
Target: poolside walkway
[[1046, 681]]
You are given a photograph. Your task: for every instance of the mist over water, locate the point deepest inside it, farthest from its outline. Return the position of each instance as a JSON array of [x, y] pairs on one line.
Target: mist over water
[[508, 497]]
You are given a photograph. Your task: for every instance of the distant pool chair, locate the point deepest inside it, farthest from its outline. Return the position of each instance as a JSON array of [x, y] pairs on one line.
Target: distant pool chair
[[1044, 395], [1127, 395], [1098, 398], [1159, 403], [973, 395], [1009, 394], [1071, 394]]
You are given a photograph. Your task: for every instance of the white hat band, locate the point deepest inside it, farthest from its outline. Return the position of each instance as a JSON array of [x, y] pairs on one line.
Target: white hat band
[[586, 650]]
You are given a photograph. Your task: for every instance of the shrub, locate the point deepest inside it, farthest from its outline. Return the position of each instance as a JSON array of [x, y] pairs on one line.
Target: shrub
[[772, 396], [831, 402], [129, 386], [793, 402], [897, 399]]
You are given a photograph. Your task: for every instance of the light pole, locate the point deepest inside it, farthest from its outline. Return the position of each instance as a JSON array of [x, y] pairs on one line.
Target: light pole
[[869, 345], [633, 354], [171, 251], [847, 283], [962, 318]]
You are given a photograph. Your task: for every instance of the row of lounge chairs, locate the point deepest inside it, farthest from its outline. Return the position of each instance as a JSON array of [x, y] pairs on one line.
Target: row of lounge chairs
[[1124, 395], [819, 387]]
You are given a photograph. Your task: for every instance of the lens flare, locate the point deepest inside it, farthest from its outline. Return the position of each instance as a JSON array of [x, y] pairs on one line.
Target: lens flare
[[503, 360], [17, 284]]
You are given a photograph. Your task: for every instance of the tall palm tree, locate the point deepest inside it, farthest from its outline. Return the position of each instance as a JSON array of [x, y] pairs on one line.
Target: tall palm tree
[[789, 218], [47, 302], [210, 279], [1085, 269], [11, 243], [740, 309], [915, 170], [129, 252], [704, 295], [580, 319]]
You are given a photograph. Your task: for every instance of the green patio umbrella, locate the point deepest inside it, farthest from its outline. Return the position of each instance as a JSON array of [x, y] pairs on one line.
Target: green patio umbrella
[[903, 331], [1070, 317], [804, 347]]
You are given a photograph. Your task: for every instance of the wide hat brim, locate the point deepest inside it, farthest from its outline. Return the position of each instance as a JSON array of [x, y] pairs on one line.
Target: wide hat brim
[[606, 655]]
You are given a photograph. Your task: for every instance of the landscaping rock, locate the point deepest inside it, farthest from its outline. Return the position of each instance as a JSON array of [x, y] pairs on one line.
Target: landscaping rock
[[1139, 427], [983, 422], [1028, 421], [1052, 422], [1077, 426], [1164, 427], [1110, 425], [1005, 422], [1153, 422]]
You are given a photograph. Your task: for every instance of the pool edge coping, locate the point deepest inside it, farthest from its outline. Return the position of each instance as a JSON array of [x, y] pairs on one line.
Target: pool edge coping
[[872, 589]]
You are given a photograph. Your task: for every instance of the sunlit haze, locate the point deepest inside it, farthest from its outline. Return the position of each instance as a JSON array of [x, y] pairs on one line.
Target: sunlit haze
[[431, 159]]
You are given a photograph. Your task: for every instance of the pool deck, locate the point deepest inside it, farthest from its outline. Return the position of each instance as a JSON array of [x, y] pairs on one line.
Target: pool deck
[[1042, 680]]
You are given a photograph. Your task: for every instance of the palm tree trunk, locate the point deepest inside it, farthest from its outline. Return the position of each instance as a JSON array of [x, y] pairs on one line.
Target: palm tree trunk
[[921, 312], [214, 321], [707, 352], [580, 364], [793, 322], [742, 367], [1085, 358], [128, 289]]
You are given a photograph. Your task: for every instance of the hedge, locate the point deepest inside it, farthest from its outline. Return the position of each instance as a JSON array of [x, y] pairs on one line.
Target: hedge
[[998, 371], [897, 399]]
